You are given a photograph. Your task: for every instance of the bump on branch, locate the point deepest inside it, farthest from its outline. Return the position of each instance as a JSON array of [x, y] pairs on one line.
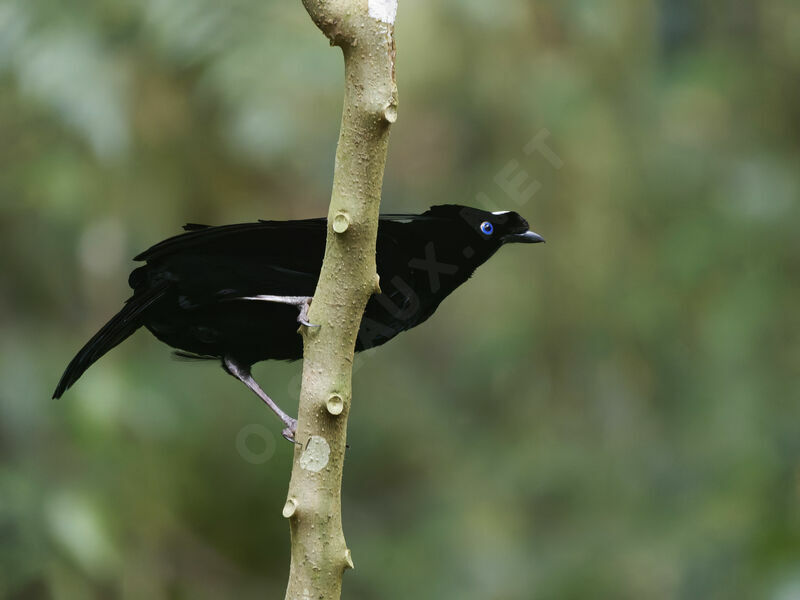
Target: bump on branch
[[364, 29]]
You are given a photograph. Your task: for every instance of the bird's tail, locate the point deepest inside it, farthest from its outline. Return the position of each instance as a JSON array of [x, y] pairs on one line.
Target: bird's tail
[[121, 325]]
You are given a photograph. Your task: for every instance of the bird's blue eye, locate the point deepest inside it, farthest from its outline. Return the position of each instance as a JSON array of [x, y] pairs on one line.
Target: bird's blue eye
[[487, 228]]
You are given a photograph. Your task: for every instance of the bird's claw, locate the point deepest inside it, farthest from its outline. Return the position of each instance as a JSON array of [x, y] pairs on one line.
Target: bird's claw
[[303, 303], [302, 317], [289, 431]]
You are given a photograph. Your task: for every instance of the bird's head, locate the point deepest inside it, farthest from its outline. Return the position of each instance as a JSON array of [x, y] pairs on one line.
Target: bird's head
[[492, 228]]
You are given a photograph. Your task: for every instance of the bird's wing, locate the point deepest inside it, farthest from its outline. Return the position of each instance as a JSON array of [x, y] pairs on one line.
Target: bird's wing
[[262, 237], [219, 280], [259, 236], [209, 264], [401, 218]]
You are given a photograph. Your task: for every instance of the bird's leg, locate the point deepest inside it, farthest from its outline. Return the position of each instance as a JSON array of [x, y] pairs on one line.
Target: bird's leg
[[301, 302], [242, 373]]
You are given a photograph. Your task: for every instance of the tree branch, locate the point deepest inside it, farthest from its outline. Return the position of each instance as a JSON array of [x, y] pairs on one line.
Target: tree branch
[[364, 29]]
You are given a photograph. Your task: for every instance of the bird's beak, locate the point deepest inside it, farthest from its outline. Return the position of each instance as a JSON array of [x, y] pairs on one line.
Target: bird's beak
[[529, 237]]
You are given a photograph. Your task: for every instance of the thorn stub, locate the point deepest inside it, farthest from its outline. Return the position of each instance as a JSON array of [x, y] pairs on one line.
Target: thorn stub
[[289, 508], [341, 222], [390, 113], [335, 404], [377, 285], [348, 559]]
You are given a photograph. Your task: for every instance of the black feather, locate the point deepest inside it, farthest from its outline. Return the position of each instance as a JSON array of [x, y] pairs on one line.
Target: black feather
[[195, 291], [121, 325]]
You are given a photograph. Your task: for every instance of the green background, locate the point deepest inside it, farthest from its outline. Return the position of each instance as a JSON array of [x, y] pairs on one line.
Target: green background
[[611, 415]]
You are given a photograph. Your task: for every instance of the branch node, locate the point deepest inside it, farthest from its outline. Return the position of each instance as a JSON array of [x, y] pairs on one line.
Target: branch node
[[289, 508], [341, 222], [365, 32], [335, 404], [390, 113]]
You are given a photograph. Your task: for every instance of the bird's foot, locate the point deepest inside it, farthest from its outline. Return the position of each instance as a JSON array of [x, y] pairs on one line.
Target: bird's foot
[[303, 303], [242, 373], [302, 317], [290, 430]]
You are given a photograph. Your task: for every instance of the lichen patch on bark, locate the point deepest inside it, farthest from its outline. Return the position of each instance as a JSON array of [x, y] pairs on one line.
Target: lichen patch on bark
[[315, 456]]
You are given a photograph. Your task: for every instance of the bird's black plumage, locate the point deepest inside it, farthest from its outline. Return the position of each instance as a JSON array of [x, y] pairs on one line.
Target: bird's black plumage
[[196, 291]]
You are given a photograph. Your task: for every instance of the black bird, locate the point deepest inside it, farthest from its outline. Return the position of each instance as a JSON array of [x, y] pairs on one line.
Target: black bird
[[233, 292]]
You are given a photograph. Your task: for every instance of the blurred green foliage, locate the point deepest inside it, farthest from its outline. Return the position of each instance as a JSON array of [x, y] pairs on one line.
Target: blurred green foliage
[[612, 415]]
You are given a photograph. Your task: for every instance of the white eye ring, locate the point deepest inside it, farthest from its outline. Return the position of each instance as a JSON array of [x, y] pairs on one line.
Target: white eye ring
[[487, 228]]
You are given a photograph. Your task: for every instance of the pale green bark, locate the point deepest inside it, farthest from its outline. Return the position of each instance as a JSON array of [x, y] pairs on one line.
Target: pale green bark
[[348, 278]]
